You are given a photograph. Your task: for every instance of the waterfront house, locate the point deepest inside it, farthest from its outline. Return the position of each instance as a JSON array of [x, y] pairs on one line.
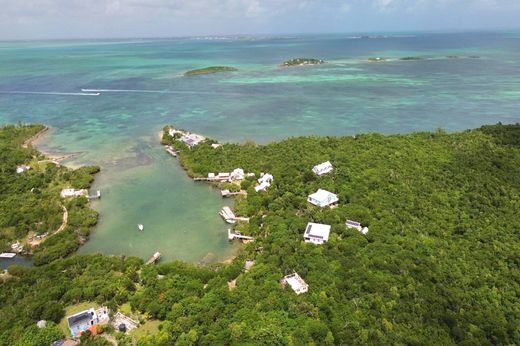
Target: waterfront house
[[323, 168], [237, 174], [73, 193], [83, 321], [296, 282], [22, 169], [316, 233], [192, 139], [323, 198]]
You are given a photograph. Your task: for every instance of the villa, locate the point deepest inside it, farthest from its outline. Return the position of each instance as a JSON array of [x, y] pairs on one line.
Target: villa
[[237, 174], [73, 193], [190, 139], [22, 169], [296, 282], [83, 321], [323, 198], [264, 182], [323, 168], [316, 233]]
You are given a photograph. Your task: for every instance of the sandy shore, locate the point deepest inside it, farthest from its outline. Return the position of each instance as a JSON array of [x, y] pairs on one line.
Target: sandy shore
[[34, 139]]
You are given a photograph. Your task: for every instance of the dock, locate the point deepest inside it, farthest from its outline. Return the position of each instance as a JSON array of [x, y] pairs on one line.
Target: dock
[[96, 196], [154, 259], [171, 151], [227, 214], [237, 235], [7, 254]]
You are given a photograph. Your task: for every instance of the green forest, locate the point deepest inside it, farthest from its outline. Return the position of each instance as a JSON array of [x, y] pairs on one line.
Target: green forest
[[439, 265]]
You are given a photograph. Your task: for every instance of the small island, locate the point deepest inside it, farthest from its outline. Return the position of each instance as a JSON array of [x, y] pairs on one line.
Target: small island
[[377, 59], [410, 58], [210, 70], [303, 62]]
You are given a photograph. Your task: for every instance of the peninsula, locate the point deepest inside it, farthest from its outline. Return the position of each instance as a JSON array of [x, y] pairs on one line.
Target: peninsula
[[210, 70]]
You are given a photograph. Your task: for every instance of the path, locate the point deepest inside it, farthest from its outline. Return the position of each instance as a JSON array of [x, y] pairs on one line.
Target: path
[[35, 242]]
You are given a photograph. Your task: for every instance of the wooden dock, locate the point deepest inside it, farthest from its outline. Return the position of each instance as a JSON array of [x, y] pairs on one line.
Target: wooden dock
[[237, 235], [7, 255], [171, 151], [154, 259]]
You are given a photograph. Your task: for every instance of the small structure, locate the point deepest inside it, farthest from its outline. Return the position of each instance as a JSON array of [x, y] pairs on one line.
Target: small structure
[[323, 198], [154, 259], [17, 247], [353, 224], [296, 282], [264, 182], [170, 150], [316, 233], [249, 264], [322, 168], [22, 169], [82, 321], [7, 254], [356, 225], [41, 324], [123, 323], [65, 193], [215, 145]]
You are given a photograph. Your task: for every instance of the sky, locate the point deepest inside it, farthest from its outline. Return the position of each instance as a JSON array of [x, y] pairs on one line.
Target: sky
[[62, 19]]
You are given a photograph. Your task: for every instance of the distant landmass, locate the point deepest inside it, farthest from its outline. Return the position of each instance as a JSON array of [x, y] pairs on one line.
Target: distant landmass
[[209, 70], [302, 62]]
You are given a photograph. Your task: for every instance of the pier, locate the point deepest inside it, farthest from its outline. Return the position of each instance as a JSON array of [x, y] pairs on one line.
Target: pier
[[7, 254], [154, 259], [227, 193], [237, 235], [171, 151], [96, 196]]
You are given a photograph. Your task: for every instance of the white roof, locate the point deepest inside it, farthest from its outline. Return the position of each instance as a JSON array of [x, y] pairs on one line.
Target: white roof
[[296, 282], [266, 178], [323, 198], [262, 186], [317, 230], [323, 168]]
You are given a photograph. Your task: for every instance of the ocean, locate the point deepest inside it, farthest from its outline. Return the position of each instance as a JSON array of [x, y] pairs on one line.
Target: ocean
[[461, 81]]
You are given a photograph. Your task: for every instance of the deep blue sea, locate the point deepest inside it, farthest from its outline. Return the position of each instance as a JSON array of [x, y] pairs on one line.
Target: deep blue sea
[[456, 81]]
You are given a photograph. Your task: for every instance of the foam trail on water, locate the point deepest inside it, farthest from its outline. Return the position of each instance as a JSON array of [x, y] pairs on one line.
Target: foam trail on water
[[50, 93], [186, 92]]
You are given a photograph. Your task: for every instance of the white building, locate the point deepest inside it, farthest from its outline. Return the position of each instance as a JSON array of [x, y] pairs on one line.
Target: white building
[[237, 174], [353, 224], [364, 231], [323, 198], [296, 282], [264, 182], [22, 169], [316, 233], [73, 193], [323, 168]]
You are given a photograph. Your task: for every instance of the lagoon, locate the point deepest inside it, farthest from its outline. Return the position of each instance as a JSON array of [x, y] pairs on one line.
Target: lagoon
[[141, 88]]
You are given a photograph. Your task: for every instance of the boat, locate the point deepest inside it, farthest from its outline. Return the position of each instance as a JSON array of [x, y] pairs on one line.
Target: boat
[[140, 227]]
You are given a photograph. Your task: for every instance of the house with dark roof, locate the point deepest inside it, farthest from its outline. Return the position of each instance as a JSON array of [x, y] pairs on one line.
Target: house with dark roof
[[82, 321]]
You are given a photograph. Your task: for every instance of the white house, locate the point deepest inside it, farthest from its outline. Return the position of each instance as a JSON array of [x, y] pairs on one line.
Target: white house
[[264, 182], [22, 169], [316, 233], [237, 174], [82, 321], [323, 168], [73, 193], [296, 282], [323, 198]]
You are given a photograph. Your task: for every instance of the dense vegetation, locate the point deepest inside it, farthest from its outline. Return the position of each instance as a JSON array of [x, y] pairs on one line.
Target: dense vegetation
[[439, 265], [30, 201], [211, 69], [303, 61]]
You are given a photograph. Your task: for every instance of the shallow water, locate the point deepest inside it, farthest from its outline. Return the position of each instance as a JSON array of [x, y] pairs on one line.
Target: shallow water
[[143, 89]]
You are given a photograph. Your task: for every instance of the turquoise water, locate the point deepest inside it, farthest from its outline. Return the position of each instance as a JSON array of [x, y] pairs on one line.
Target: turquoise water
[[145, 90]]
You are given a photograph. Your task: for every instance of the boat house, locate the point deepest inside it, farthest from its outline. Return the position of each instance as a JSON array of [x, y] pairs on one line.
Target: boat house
[[323, 198], [316, 233], [296, 282], [323, 168]]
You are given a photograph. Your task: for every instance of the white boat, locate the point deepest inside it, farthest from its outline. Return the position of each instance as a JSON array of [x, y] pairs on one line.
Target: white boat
[[140, 227]]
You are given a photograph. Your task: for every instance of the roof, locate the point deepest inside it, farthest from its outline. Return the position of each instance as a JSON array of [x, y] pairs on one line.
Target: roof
[[323, 168], [317, 230], [81, 317], [323, 197], [296, 282]]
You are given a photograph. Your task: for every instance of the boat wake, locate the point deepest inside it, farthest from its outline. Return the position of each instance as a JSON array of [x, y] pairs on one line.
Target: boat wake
[[51, 93], [184, 92]]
